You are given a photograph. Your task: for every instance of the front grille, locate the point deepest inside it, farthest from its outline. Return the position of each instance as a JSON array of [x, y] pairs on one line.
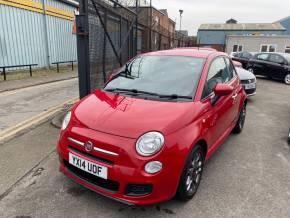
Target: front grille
[[250, 91], [93, 157], [136, 190], [109, 185], [248, 81]]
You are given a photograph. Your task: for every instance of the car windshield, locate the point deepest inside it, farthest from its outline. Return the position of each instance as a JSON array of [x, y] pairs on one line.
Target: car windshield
[[176, 76]]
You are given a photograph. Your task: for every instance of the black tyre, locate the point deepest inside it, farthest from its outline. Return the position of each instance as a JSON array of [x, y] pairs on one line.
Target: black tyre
[[191, 175], [241, 121]]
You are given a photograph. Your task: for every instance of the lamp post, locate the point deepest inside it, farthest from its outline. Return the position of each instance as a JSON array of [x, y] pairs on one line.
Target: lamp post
[[150, 27], [180, 12]]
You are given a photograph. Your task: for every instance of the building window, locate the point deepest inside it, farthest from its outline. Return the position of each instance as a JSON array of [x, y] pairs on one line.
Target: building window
[[272, 48], [287, 49], [237, 48], [268, 48]]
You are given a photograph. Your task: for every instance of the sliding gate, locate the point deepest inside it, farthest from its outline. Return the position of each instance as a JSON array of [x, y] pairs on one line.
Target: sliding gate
[[107, 36]]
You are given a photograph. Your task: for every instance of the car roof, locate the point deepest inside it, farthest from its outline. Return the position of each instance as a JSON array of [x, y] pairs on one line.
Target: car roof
[[189, 52], [198, 48], [275, 53]]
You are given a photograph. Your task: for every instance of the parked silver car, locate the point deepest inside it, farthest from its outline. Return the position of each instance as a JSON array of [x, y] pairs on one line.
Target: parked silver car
[[247, 78]]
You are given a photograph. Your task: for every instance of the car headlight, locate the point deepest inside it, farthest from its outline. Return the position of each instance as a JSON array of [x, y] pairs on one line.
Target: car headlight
[[150, 143], [66, 120]]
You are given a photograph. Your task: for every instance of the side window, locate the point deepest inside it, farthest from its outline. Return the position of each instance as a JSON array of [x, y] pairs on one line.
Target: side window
[[276, 59], [247, 55], [231, 69], [262, 57], [218, 73]]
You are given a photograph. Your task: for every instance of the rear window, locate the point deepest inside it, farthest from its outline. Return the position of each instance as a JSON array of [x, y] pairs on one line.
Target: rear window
[[276, 58], [287, 57], [246, 55]]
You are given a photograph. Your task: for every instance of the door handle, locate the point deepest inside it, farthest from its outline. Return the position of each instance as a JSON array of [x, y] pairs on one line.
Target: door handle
[[234, 97]]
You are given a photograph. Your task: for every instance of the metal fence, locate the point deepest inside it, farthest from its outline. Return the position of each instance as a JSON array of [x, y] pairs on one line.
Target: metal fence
[[110, 33]]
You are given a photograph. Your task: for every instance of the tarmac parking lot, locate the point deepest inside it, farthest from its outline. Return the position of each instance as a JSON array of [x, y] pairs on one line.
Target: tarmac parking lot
[[247, 177]]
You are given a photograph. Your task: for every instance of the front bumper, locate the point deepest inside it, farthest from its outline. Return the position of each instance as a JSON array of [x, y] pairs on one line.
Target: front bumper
[[250, 92], [125, 169]]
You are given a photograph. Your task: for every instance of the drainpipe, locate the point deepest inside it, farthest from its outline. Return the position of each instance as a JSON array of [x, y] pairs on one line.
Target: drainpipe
[[46, 44]]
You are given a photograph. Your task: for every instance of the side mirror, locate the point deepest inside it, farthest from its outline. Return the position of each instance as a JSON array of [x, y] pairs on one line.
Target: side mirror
[[223, 89]]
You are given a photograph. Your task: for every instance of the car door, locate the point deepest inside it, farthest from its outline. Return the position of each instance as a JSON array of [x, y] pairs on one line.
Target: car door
[[277, 66], [245, 57], [236, 56], [237, 87], [219, 111], [259, 64]]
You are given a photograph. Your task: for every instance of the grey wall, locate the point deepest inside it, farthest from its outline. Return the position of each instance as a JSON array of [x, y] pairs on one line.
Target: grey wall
[[253, 43], [218, 37]]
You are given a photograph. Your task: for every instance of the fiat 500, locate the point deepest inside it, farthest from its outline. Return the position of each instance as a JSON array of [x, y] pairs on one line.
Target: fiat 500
[[144, 137]]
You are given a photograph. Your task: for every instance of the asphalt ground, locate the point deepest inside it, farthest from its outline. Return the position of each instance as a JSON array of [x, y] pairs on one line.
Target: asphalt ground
[[248, 176]]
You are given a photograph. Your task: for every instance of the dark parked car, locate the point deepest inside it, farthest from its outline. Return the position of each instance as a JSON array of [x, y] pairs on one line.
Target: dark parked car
[[243, 57], [272, 65]]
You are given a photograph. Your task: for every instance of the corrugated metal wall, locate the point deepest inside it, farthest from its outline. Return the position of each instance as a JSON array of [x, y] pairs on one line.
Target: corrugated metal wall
[[286, 24], [22, 36], [62, 43]]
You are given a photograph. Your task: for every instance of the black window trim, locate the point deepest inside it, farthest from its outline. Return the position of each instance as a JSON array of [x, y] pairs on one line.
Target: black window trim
[[203, 99]]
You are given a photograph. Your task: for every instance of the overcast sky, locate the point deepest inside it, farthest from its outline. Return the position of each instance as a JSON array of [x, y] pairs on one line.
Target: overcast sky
[[197, 12]]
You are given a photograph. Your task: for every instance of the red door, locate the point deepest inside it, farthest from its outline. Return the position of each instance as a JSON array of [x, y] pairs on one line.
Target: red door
[[220, 111]]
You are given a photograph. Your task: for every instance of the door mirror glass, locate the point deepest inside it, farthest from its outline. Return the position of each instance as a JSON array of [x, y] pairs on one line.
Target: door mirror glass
[[223, 89]]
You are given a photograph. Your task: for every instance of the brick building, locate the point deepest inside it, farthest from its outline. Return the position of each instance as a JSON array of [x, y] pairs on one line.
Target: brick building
[[162, 29]]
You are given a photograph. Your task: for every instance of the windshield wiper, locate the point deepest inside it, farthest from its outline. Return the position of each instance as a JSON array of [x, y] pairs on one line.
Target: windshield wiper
[[136, 92], [175, 96], [133, 91]]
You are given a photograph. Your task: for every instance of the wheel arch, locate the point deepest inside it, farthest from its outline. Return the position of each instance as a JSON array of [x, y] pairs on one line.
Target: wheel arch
[[203, 145]]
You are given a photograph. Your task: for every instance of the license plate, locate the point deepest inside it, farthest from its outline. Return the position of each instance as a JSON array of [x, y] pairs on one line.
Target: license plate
[[250, 86], [88, 166]]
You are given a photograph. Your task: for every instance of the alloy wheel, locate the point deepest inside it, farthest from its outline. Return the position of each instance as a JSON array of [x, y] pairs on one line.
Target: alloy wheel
[[242, 118], [251, 70], [287, 79], [194, 172]]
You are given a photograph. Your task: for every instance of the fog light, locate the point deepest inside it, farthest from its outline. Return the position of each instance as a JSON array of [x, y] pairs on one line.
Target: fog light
[[153, 167]]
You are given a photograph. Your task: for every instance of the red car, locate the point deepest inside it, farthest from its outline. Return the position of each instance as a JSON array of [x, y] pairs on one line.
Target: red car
[[144, 137]]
